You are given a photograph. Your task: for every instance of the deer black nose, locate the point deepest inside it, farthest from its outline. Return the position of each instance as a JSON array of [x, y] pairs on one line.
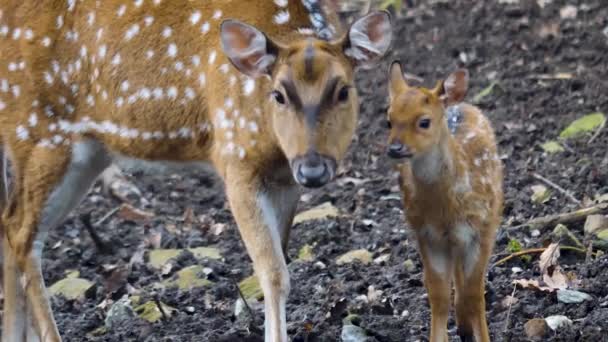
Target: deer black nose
[[314, 170], [398, 150]]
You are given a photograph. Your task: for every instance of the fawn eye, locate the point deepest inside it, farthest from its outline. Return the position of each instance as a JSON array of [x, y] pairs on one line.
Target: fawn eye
[[343, 94], [424, 123], [278, 97]]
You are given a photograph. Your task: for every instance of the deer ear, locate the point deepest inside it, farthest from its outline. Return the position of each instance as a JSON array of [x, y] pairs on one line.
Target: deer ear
[[396, 79], [369, 38], [247, 48], [455, 87]]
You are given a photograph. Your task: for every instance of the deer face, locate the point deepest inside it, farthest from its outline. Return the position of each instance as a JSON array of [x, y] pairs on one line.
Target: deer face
[[313, 105], [416, 115]]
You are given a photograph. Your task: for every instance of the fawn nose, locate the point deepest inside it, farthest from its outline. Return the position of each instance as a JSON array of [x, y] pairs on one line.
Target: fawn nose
[[314, 170], [397, 150]]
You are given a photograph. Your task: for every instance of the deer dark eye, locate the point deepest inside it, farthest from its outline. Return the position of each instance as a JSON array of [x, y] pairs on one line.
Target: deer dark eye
[[424, 123], [343, 94], [277, 96]]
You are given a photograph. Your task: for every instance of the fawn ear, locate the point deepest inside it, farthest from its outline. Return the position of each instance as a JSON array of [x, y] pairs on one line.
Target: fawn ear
[[248, 49], [369, 38], [396, 79], [455, 87]]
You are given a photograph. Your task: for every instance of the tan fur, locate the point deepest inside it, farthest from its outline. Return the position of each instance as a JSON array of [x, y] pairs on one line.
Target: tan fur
[[147, 79], [454, 207]]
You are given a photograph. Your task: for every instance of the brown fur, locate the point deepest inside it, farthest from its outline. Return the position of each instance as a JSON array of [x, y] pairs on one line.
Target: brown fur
[[464, 189], [148, 80]]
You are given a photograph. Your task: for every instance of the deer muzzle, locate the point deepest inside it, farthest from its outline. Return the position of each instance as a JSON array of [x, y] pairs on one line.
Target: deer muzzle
[[313, 170]]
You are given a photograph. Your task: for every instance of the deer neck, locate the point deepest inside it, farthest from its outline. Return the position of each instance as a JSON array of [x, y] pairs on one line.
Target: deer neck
[[437, 164]]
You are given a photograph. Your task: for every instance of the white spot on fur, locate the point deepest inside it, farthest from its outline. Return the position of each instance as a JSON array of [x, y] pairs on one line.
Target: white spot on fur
[[202, 79], [149, 54], [212, 57], [59, 22], [167, 32], [121, 10], [281, 3], [172, 50], [195, 17], [217, 14], [91, 18], [22, 132], [116, 59], [205, 28], [172, 93], [281, 18], [248, 86], [28, 34], [132, 32], [148, 20]]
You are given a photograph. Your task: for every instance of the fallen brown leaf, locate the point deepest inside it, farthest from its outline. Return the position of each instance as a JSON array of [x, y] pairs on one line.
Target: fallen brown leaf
[[130, 213]]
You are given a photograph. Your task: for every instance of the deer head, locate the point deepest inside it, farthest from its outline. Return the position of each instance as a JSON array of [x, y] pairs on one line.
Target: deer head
[[416, 116], [313, 105]]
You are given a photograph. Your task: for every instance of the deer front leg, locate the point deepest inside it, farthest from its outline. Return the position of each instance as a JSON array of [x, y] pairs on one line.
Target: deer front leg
[[469, 272], [437, 269], [53, 183], [260, 211]]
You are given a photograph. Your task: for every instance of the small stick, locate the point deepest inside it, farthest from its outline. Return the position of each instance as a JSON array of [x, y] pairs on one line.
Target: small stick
[[249, 311], [509, 311], [100, 244], [160, 307], [536, 251], [107, 216], [597, 132], [557, 187], [569, 217]]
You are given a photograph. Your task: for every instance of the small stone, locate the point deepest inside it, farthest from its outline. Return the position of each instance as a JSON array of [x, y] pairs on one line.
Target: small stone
[[240, 310], [320, 265], [409, 266], [557, 321], [323, 211], [572, 296], [536, 329], [353, 333], [382, 259], [516, 270], [552, 147], [119, 313], [190, 309], [361, 255], [535, 233]]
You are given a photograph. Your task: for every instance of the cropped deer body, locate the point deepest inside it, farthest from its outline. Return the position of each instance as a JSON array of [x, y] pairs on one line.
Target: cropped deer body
[[451, 180], [85, 83]]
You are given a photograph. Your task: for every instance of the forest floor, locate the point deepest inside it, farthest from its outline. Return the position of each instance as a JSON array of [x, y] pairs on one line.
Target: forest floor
[[548, 68]]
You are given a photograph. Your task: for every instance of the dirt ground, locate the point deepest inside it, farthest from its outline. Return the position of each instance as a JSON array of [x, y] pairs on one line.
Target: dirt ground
[[516, 45]]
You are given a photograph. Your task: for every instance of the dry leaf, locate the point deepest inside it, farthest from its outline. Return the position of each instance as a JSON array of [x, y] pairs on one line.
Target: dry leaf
[[130, 213], [549, 257], [532, 284], [557, 280]]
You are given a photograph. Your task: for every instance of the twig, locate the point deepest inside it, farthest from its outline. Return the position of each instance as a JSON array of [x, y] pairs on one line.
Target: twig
[[573, 216], [536, 251], [107, 216], [247, 307], [557, 187], [160, 307], [597, 132], [509, 311], [101, 245]]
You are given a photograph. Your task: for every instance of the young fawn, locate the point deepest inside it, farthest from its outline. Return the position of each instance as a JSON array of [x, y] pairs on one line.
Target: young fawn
[[87, 83], [451, 180]]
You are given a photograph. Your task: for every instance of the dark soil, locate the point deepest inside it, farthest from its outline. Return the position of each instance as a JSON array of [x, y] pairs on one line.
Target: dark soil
[[505, 43]]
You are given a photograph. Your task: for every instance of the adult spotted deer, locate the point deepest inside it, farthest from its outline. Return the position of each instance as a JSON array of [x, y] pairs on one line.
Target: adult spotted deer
[[85, 83], [451, 180]]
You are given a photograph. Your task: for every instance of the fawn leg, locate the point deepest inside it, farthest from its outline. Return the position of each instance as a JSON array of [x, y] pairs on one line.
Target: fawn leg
[[283, 193], [259, 211], [15, 318], [54, 182], [437, 268], [469, 276]]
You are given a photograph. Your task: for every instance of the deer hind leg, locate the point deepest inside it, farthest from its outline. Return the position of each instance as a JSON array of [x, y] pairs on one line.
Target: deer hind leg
[[469, 274], [259, 212], [53, 183], [437, 267]]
